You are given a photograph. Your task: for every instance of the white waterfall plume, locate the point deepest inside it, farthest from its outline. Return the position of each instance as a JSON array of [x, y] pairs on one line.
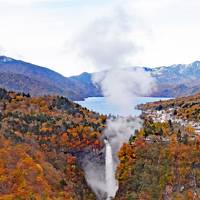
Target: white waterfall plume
[[111, 182]]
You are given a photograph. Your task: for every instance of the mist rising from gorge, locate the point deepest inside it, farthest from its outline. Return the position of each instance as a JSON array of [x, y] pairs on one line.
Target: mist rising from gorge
[[109, 44]]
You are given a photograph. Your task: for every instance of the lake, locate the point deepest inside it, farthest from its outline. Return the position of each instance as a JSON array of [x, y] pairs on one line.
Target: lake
[[102, 106]]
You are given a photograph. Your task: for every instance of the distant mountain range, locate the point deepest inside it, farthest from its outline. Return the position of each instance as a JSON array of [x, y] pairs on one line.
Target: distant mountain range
[[172, 81], [20, 76], [177, 80]]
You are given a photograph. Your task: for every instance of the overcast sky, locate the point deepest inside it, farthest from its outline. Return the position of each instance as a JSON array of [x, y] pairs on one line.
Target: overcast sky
[[72, 36]]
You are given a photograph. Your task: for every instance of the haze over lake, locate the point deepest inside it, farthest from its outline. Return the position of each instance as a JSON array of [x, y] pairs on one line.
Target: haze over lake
[[102, 106]]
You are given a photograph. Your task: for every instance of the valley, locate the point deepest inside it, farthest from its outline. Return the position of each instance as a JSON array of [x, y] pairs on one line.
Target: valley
[[47, 142], [56, 148], [44, 143], [99, 100]]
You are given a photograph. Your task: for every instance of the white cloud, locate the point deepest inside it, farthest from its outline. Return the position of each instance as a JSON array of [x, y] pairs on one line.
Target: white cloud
[[38, 31], [175, 30], [1, 50]]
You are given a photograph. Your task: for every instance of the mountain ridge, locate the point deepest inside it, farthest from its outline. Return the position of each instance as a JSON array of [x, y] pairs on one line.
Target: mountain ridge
[[46, 77], [172, 81]]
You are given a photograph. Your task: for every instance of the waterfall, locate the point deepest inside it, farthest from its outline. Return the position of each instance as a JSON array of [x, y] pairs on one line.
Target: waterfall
[[111, 182]]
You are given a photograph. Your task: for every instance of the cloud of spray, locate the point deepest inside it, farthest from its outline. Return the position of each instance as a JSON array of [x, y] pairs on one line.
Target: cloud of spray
[[121, 86], [108, 43], [119, 131], [95, 176]]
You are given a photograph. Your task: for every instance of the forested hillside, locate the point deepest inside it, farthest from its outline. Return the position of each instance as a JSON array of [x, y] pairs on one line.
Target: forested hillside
[[185, 108], [43, 142], [162, 161]]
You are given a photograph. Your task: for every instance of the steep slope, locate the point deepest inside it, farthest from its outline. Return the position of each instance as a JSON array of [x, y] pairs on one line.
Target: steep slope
[[85, 80], [30, 70], [43, 144], [177, 80], [21, 83], [161, 161], [49, 81], [45, 141], [177, 73]]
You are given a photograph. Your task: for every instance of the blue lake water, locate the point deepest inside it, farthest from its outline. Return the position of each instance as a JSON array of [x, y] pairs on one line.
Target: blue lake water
[[102, 106]]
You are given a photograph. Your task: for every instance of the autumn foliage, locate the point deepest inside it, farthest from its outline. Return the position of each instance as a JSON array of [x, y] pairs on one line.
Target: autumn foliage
[[160, 166], [43, 141]]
